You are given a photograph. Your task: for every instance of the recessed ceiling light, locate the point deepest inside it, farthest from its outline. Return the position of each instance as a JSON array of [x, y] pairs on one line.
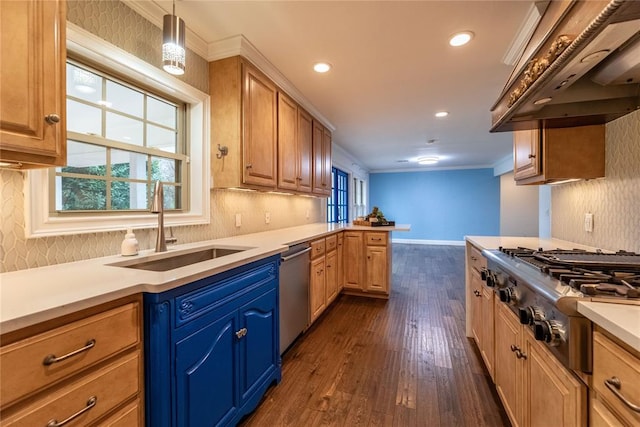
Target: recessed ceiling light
[[431, 141], [461, 38], [321, 67], [442, 114], [431, 160]]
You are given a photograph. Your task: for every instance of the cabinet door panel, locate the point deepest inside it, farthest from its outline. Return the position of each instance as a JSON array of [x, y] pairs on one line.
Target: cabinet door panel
[[526, 156], [332, 276], [32, 78], [318, 159], [305, 138], [204, 359], [260, 129], [317, 294], [476, 309], [287, 143], [353, 259], [259, 348], [376, 269], [487, 347], [326, 162], [509, 376], [553, 395]]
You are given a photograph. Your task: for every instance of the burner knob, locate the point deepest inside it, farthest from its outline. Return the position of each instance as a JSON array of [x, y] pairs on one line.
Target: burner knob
[[490, 280], [528, 315], [483, 274], [507, 295], [547, 331]]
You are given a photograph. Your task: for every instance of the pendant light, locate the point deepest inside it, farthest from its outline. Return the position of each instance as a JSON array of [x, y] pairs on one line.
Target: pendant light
[[173, 46]]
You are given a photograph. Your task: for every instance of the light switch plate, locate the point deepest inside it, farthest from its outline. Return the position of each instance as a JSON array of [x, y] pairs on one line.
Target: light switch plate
[[267, 217], [588, 222]]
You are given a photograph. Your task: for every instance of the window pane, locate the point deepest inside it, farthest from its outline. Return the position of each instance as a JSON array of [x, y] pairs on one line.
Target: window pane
[[83, 194], [124, 129], [83, 84], [87, 159], [124, 99], [161, 138], [171, 195], [125, 164], [163, 169], [160, 112], [83, 118], [129, 195]]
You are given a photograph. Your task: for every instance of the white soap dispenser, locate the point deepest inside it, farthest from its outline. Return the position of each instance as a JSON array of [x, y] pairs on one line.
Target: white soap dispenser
[[129, 244]]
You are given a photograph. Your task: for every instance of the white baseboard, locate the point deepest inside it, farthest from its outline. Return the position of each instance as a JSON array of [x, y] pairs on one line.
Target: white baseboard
[[429, 242]]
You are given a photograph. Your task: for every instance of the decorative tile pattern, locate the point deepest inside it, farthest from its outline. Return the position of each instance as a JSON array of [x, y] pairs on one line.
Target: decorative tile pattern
[[613, 200], [118, 24]]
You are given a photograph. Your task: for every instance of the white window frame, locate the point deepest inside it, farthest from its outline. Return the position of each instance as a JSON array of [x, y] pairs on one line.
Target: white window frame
[[84, 45]]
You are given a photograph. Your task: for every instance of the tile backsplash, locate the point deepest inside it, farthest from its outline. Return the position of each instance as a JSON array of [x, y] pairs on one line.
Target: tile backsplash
[[614, 200], [18, 253]]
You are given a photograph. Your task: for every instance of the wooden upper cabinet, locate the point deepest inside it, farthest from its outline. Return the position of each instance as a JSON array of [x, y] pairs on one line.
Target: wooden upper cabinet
[[294, 146], [321, 160], [287, 143], [547, 155], [243, 119], [33, 83]]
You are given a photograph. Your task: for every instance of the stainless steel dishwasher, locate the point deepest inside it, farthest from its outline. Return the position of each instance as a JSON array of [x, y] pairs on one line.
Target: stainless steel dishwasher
[[294, 294]]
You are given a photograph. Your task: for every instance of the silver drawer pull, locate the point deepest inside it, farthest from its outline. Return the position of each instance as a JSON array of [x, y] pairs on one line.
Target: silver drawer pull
[[90, 404], [51, 358], [614, 384]]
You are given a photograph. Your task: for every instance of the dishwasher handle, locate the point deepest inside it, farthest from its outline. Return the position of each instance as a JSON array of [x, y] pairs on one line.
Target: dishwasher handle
[[297, 254]]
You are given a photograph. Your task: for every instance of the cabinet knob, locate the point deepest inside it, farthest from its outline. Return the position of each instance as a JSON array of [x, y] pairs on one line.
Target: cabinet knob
[[241, 333], [249, 166], [532, 156], [52, 119]]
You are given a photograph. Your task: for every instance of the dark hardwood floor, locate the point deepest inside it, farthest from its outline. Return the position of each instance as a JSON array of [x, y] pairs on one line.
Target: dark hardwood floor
[[402, 362]]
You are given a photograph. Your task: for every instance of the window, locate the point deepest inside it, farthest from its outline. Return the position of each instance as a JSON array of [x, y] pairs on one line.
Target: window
[[120, 140], [338, 203], [141, 126]]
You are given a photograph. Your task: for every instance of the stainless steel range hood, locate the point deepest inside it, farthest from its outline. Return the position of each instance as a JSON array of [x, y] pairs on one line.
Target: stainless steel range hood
[[581, 67]]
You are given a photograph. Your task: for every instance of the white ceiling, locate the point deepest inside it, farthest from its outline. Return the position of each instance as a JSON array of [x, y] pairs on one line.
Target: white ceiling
[[392, 69]]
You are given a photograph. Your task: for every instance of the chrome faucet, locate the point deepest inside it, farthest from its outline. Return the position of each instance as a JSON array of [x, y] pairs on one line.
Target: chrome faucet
[[157, 206]]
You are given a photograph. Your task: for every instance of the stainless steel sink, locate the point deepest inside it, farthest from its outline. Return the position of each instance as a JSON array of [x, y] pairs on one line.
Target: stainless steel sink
[[170, 261]]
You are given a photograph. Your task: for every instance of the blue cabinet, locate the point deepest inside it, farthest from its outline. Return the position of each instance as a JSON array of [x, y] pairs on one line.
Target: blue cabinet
[[212, 347]]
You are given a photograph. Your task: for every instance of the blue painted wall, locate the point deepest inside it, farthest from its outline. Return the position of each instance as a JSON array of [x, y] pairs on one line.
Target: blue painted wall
[[439, 205]]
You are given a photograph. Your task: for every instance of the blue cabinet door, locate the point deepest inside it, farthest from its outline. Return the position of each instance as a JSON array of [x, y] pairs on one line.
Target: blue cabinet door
[[205, 364], [259, 348]]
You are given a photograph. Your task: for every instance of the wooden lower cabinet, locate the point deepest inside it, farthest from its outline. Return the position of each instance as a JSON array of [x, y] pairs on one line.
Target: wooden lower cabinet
[[331, 278], [367, 263], [323, 282], [487, 322], [99, 379], [212, 347], [340, 262], [317, 283], [535, 389], [618, 365]]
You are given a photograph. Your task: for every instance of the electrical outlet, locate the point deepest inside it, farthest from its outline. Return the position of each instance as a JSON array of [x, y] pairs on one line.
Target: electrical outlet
[[307, 215], [588, 222], [238, 220], [267, 217]]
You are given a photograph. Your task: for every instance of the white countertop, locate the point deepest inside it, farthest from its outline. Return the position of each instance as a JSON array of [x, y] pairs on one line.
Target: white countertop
[[620, 320], [35, 295]]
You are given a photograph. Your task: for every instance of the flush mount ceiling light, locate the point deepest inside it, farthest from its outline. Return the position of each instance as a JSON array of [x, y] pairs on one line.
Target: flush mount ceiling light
[[441, 114], [431, 160], [173, 46], [542, 101], [321, 67], [461, 38]]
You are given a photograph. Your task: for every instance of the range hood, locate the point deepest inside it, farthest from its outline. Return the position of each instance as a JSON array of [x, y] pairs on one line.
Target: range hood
[[581, 67]]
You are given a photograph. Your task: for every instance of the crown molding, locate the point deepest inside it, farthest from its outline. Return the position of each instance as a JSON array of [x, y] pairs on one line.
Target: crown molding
[[153, 13]]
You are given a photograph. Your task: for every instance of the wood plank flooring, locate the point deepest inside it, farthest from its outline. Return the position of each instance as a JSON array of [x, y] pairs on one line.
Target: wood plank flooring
[[402, 362]]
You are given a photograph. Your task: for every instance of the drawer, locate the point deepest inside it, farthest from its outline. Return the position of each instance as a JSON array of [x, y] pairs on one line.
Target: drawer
[[609, 361], [317, 248], [110, 386], [331, 243], [375, 238], [129, 416], [600, 416], [22, 364], [476, 260]]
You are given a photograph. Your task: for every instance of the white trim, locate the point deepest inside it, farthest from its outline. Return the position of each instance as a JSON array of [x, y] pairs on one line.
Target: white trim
[[505, 165], [519, 42], [38, 221], [429, 242]]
